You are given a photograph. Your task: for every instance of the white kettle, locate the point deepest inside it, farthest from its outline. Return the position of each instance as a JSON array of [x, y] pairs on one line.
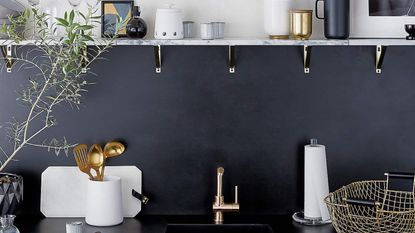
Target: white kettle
[[169, 23]]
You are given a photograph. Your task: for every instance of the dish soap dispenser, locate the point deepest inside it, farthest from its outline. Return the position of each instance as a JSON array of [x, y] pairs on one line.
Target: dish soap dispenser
[[136, 27]]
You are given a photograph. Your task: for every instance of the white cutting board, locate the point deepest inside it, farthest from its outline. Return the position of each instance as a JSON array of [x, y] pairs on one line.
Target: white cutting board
[[63, 191]]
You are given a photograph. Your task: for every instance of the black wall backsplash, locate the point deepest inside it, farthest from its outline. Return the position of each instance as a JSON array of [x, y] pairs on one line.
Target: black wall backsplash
[[179, 126]]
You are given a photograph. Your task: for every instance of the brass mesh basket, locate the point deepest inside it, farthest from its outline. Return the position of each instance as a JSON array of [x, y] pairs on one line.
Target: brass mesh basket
[[371, 207]]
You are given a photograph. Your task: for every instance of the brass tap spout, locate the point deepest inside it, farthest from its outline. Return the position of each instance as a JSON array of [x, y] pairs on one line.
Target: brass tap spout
[[221, 170], [219, 205]]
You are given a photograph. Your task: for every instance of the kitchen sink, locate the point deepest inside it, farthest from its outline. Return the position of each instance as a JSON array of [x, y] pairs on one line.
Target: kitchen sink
[[220, 228]]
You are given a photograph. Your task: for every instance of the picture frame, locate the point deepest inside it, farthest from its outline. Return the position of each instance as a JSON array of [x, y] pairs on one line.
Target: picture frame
[[365, 25], [109, 11]]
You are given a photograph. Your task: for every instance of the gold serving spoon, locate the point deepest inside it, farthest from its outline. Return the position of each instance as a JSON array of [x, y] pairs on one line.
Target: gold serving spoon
[[96, 160], [112, 149]]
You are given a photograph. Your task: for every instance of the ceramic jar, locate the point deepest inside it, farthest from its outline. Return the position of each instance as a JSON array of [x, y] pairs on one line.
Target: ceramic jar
[[169, 23], [277, 19]]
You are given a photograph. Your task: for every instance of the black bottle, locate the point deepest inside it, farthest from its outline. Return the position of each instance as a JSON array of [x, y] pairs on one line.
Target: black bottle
[[136, 27]]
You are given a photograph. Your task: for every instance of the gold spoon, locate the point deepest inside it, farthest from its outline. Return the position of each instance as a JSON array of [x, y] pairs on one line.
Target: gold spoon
[[96, 160], [112, 149]]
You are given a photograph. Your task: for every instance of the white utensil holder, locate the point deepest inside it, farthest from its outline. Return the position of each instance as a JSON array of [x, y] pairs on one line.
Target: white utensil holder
[[104, 202]]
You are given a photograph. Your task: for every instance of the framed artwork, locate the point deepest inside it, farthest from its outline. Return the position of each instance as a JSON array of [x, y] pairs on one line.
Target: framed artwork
[[111, 12], [381, 18]]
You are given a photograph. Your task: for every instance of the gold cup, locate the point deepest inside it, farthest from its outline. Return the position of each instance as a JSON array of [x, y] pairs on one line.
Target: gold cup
[[301, 24]]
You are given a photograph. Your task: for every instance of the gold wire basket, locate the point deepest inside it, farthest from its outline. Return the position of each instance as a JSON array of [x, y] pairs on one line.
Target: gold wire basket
[[373, 207]]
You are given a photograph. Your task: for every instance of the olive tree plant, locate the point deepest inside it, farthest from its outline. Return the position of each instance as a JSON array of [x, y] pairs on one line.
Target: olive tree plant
[[57, 77]]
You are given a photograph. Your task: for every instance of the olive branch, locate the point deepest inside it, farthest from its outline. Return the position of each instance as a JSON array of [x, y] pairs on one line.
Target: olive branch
[[58, 68]]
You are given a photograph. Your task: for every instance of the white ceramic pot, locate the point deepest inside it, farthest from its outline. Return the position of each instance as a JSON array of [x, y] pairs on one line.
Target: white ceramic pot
[[277, 18], [169, 24], [104, 202]]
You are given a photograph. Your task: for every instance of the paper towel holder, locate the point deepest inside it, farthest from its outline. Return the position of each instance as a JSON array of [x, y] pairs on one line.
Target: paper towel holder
[[301, 219], [299, 216]]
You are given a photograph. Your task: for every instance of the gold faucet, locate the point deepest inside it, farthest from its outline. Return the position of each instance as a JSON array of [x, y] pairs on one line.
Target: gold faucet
[[219, 205]]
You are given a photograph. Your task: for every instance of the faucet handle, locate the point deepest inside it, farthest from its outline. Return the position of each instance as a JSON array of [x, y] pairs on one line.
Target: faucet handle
[[236, 194]]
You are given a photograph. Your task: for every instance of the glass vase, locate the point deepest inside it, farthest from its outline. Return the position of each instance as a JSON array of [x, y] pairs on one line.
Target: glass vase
[[7, 224]]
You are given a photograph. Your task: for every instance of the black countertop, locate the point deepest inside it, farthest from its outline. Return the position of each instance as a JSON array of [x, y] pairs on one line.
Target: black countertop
[[158, 224]]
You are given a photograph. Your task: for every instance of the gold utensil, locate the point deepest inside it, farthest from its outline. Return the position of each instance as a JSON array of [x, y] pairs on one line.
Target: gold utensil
[[112, 149], [81, 157], [96, 160]]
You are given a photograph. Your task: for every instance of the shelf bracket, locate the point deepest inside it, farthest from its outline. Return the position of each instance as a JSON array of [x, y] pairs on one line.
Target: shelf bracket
[[7, 55], [380, 55], [157, 57], [84, 61], [232, 63], [307, 58]]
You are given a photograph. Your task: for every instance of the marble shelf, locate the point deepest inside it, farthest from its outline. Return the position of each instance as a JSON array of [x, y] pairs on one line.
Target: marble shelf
[[383, 42], [234, 42], [245, 42]]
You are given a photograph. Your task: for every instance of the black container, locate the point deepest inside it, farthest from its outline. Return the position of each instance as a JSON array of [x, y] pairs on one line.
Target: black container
[[11, 193], [410, 29], [136, 27], [336, 18]]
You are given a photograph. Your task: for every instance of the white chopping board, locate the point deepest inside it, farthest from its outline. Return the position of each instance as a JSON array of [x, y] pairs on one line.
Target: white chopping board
[[63, 190]]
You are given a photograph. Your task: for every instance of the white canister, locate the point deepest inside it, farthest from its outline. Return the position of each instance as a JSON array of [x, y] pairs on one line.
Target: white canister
[[207, 31], [277, 18], [104, 202], [169, 24]]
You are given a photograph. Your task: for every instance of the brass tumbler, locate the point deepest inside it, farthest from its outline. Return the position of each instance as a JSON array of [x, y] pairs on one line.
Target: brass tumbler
[[301, 24]]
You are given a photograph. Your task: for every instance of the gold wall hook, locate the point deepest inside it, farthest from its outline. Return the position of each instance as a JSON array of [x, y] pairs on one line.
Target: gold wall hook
[[84, 60], [232, 63], [157, 57], [380, 55], [307, 58], [7, 55]]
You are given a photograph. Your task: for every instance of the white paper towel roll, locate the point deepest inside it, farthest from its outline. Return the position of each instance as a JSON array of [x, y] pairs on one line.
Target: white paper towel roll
[[316, 182]]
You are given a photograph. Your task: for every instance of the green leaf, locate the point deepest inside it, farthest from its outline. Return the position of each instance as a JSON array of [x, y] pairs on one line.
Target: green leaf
[[65, 16], [62, 22], [71, 16], [86, 27], [88, 38]]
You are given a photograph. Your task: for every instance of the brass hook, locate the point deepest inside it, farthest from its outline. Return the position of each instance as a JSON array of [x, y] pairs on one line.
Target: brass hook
[[7, 55]]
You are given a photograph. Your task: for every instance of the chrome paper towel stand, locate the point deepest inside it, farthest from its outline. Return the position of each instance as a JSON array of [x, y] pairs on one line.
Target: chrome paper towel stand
[[300, 217]]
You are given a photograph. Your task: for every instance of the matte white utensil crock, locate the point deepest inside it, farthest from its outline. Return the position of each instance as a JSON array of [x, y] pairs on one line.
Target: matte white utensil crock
[[104, 202]]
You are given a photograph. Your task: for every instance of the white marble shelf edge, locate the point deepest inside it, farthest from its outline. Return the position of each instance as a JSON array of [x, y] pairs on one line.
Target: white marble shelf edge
[[235, 42], [200, 42], [245, 42], [384, 42]]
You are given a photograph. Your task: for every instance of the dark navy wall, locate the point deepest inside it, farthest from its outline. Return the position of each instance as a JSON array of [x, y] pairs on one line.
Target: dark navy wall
[[182, 124]]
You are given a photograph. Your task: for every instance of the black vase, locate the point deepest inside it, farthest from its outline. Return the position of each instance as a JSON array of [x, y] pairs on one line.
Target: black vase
[[336, 18], [136, 27], [11, 193]]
